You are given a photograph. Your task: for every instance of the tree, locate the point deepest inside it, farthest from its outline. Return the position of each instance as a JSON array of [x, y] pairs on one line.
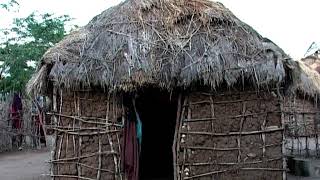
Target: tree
[[26, 41], [7, 5]]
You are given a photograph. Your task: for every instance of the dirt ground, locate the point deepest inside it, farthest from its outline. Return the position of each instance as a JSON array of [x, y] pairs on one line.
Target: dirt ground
[[32, 165], [24, 165], [290, 177]]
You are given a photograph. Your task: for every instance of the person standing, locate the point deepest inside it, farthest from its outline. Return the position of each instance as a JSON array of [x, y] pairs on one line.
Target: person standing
[[16, 117]]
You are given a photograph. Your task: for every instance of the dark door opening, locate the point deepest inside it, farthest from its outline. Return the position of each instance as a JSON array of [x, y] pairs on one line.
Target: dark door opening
[[157, 112]]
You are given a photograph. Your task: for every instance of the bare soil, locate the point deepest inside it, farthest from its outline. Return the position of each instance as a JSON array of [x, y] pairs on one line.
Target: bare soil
[[25, 165], [290, 177], [32, 165]]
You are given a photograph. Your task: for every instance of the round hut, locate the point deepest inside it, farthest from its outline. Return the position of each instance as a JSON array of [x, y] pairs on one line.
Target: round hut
[[171, 89], [313, 61], [302, 118]]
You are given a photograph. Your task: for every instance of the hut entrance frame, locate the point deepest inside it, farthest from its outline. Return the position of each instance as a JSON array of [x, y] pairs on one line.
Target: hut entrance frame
[[157, 110]]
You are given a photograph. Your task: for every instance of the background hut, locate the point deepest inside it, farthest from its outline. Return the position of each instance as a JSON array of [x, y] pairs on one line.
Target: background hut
[[313, 61], [208, 89], [302, 116], [13, 137]]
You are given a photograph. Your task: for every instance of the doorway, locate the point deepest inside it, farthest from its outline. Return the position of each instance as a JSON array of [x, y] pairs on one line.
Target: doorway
[[157, 110]]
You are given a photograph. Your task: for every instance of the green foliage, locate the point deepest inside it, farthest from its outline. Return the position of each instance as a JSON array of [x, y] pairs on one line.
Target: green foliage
[[26, 41], [7, 5]]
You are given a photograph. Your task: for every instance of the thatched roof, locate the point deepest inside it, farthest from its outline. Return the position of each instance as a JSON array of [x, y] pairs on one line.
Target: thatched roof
[[305, 80], [313, 61], [168, 43]]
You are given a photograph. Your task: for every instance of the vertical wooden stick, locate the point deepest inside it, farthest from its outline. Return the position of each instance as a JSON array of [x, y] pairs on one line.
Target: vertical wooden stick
[[55, 119], [263, 135], [291, 122], [79, 137], [184, 149], [174, 146], [67, 142], [213, 117], [316, 122], [240, 130], [123, 123], [117, 135], [305, 127], [59, 122], [296, 127], [60, 146], [212, 113], [60, 106], [306, 135], [280, 102], [100, 158], [73, 126], [179, 127], [110, 138]]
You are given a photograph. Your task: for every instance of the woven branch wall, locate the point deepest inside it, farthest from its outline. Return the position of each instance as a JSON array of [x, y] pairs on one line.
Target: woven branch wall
[[302, 122], [87, 136], [237, 135], [8, 135], [6, 128]]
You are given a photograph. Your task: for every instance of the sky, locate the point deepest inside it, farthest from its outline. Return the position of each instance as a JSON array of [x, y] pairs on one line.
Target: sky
[[291, 24]]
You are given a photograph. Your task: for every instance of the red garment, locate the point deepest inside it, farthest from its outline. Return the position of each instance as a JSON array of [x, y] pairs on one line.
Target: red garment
[[130, 156], [16, 118], [16, 110]]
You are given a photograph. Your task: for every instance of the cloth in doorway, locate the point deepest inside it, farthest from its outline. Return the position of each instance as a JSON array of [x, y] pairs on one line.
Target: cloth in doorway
[[138, 123], [131, 143], [130, 151]]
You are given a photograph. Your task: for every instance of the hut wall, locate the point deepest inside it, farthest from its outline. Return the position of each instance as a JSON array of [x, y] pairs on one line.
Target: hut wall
[[5, 135], [235, 135], [8, 135], [302, 120], [87, 136]]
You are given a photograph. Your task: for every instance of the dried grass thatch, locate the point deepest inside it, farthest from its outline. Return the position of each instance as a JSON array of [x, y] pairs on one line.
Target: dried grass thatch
[[313, 61], [304, 79], [169, 43]]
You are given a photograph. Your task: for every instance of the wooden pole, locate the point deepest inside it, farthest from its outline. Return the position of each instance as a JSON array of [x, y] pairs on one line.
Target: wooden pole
[[282, 121], [174, 146], [55, 121], [178, 139]]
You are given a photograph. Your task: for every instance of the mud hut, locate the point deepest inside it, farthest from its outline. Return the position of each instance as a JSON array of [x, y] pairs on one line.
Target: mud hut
[[313, 61], [302, 118], [207, 88]]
